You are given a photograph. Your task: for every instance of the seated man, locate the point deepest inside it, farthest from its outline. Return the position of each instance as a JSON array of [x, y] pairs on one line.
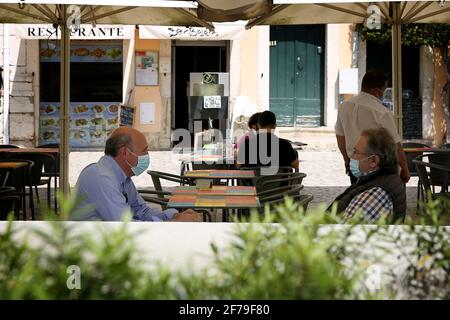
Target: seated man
[[266, 149], [379, 190], [106, 190]]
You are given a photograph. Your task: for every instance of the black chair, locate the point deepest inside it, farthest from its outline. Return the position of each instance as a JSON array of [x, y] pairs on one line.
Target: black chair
[[51, 170], [447, 146], [9, 146], [20, 179], [410, 156], [427, 183], [264, 183], [37, 178]]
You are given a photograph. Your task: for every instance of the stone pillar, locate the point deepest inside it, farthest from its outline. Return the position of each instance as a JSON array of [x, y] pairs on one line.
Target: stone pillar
[[426, 87]]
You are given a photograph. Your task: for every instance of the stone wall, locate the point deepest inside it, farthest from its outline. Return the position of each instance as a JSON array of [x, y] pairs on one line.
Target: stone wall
[[21, 110]]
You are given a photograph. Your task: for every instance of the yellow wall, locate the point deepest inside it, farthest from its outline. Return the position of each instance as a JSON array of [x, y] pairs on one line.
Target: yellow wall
[[147, 93], [249, 65]]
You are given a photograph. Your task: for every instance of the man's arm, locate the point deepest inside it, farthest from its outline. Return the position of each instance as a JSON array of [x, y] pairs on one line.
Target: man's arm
[[404, 174], [342, 148]]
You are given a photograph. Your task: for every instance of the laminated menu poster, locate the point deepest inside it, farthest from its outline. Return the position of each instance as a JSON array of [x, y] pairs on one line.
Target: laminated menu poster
[[146, 68], [90, 122], [50, 52]]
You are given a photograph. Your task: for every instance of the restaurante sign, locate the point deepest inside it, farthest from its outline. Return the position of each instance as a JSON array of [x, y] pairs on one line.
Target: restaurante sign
[[86, 31]]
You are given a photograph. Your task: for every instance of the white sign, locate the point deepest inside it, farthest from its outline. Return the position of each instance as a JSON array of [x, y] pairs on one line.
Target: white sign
[[147, 113], [221, 32], [86, 31], [348, 81]]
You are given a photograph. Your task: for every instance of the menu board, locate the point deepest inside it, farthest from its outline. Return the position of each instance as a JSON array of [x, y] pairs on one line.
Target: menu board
[[126, 116], [90, 122], [82, 53]]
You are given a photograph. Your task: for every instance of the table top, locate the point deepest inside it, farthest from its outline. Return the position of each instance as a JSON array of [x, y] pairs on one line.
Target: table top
[[213, 202], [220, 174], [12, 165], [217, 191], [426, 149], [30, 150]]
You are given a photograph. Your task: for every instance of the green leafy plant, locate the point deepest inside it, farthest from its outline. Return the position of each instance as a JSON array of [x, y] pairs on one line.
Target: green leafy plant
[[284, 254]]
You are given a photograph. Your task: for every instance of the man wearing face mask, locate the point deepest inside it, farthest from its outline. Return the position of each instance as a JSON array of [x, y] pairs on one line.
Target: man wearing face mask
[[105, 188], [378, 190], [365, 111]]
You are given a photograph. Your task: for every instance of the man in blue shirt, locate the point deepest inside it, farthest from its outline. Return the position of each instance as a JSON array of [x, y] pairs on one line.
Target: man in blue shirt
[[106, 191]]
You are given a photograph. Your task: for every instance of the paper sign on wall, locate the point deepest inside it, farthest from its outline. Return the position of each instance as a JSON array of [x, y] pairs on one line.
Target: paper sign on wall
[[147, 112]]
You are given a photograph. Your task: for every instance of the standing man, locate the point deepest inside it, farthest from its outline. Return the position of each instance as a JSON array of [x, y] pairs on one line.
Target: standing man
[[365, 111]]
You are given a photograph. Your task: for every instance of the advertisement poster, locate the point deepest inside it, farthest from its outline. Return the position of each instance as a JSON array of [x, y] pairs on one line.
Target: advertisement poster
[[51, 51], [90, 123], [146, 68]]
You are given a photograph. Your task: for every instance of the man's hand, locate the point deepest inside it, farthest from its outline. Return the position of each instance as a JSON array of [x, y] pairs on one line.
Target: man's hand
[[188, 215], [405, 175]]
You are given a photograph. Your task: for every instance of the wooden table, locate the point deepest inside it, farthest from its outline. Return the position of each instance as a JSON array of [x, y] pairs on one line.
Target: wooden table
[[220, 174], [12, 165], [30, 150], [216, 191], [218, 197]]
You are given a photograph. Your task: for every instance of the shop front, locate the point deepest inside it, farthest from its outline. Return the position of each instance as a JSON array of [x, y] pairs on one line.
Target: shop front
[[96, 82]]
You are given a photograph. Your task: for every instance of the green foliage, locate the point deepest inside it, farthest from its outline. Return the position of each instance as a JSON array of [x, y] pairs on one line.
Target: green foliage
[[301, 256], [414, 34]]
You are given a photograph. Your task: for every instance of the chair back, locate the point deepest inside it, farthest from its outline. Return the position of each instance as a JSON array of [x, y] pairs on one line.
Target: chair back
[[39, 160], [51, 167], [410, 156], [436, 176], [158, 175], [447, 146], [7, 190], [7, 205], [264, 183], [425, 178]]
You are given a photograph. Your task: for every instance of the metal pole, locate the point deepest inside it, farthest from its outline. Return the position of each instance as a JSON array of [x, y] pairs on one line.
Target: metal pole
[[5, 83], [397, 66], [65, 102]]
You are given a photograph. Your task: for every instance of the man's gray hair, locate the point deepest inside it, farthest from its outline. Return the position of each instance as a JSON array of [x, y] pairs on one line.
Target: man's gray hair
[[115, 142], [381, 143]]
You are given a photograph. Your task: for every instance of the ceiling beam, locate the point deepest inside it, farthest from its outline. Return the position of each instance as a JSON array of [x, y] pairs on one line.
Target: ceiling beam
[[435, 13], [412, 13], [201, 22]]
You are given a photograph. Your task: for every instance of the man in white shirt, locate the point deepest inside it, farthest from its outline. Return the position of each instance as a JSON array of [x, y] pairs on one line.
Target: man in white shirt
[[365, 111]]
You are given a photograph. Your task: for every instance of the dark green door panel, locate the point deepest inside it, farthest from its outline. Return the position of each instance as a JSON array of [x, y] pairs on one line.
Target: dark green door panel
[[296, 74]]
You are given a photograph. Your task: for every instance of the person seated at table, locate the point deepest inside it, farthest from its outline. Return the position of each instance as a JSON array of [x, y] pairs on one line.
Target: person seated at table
[[266, 149], [379, 190], [105, 189], [252, 130]]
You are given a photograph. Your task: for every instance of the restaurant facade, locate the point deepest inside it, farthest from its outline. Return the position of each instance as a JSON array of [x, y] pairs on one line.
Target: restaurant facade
[[173, 76]]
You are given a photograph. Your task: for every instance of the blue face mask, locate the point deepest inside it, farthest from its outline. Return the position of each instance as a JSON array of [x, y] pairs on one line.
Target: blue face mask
[[142, 165], [354, 167]]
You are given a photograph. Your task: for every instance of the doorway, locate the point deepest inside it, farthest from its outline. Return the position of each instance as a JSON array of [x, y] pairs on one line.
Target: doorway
[[210, 56], [297, 74]]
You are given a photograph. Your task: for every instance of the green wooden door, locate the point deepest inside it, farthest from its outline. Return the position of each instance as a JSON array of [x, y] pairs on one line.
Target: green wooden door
[[296, 74]]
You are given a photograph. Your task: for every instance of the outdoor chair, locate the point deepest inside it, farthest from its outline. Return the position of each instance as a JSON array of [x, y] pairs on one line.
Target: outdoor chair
[[410, 156], [51, 169], [37, 178], [427, 183], [20, 179]]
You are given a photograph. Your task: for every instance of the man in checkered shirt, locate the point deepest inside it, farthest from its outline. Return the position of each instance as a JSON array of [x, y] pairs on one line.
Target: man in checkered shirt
[[379, 190]]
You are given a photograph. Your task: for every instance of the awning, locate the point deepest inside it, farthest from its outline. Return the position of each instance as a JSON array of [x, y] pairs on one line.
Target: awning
[[222, 31]]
